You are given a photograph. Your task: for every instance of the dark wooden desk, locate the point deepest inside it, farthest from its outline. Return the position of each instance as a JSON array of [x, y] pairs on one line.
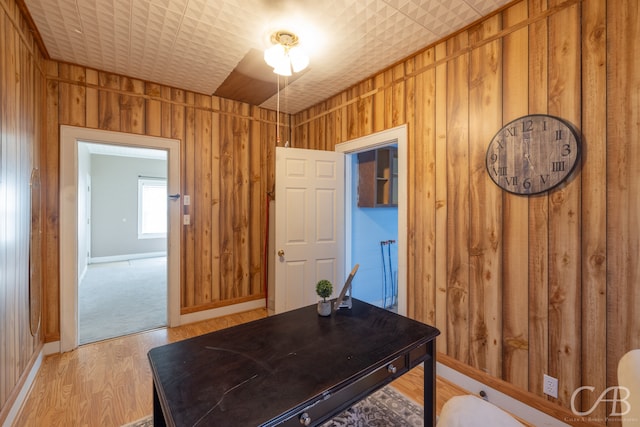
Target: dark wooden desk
[[284, 368]]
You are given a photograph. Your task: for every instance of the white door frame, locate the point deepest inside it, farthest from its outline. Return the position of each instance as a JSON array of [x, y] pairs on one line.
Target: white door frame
[[380, 139], [70, 136]]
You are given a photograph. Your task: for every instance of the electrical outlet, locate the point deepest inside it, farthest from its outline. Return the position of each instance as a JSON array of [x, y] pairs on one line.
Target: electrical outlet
[[550, 386]]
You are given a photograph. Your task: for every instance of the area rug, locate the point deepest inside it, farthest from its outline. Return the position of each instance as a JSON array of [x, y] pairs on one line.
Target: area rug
[[385, 408]]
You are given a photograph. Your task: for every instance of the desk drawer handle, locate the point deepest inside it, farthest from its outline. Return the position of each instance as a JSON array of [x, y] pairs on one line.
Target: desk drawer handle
[[392, 369], [305, 419]]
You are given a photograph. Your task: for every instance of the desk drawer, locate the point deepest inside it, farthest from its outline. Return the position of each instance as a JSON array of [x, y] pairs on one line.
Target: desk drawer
[[334, 404]]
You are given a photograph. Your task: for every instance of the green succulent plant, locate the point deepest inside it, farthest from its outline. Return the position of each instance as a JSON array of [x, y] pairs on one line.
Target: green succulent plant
[[324, 289]]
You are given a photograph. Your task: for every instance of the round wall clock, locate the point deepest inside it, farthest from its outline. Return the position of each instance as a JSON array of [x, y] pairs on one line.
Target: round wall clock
[[532, 154]]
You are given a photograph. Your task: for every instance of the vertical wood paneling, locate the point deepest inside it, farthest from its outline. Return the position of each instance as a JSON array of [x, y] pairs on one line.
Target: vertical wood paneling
[[538, 228], [564, 213], [50, 181], [166, 125], [623, 181], [109, 102], [352, 113], [216, 250], [219, 265], [72, 96], [458, 200], [365, 108], [410, 108], [92, 99], [132, 115], [330, 123], [561, 49], [22, 98], [387, 89], [528, 272], [188, 160], [226, 202], [153, 108], [378, 104], [594, 236], [515, 215], [421, 299], [441, 200], [257, 193], [12, 186], [485, 102], [398, 93], [202, 197], [241, 204]]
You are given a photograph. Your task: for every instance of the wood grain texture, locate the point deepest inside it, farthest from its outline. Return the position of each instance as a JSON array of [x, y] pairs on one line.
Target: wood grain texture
[[440, 206], [594, 234], [457, 161], [109, 383], [623, 181], [22, 126], [422, 228], [579, 301], [564, 211], [545, 276], [515, 209], [538, 227], [222, 255], [485, 202]]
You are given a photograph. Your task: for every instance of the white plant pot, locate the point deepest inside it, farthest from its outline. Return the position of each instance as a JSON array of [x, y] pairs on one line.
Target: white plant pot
[[324, 308]]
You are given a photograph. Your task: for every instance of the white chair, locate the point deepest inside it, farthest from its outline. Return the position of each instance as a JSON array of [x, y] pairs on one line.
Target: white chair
[[471, 411], [629, 377]]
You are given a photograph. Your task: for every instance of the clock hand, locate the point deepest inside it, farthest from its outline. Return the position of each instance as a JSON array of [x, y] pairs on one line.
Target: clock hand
[[526, 156]]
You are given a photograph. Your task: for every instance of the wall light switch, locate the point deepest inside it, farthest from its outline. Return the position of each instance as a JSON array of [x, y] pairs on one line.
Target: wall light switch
[[186, 220], [187, 200]]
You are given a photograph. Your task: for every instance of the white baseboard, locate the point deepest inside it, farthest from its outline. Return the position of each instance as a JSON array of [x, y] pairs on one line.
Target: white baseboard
[[24, 391], [125, 257], [51, 348], [507, 403]]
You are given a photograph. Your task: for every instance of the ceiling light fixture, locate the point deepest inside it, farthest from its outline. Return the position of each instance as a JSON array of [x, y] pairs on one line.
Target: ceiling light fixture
[[285, 55]]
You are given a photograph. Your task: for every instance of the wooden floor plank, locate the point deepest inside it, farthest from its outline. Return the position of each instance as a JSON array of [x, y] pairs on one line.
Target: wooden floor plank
[[109, 383]]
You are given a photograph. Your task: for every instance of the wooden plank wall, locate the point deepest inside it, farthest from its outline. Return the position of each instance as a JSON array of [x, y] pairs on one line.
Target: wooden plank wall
[[227, 167], [519, 286], [21, 126]]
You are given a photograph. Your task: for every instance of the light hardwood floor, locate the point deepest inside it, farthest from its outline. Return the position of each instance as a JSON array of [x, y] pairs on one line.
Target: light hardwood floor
[[109, 383]]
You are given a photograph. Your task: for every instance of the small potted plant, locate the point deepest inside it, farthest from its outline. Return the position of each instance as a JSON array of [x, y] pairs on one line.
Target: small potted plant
[[324, 288]]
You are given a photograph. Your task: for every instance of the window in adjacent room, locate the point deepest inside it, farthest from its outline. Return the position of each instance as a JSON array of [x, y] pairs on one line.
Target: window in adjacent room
[[152, 208]]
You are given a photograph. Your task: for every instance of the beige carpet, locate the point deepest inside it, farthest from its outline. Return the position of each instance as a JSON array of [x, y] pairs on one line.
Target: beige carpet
[[121, 298]]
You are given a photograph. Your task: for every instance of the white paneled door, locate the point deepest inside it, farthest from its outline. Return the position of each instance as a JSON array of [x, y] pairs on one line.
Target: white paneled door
[[309, 224]]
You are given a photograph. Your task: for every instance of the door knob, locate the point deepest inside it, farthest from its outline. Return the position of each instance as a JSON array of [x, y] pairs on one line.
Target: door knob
[[280, 252]]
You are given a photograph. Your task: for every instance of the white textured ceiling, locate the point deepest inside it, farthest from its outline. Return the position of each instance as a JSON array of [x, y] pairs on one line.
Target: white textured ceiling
[[196, 44]]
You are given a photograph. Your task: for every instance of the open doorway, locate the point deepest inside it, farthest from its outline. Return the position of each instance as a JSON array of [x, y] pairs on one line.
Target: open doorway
[[389, 220], [71, 242], [122, 230], [374, 225]]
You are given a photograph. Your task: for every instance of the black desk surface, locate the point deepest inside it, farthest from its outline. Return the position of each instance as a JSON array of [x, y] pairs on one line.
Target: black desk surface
[[255, 372]]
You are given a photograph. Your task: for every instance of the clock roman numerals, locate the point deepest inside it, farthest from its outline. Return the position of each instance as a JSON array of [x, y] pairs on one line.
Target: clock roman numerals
[[500, 171], [557, 166], [527, 183], [532, 154]]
